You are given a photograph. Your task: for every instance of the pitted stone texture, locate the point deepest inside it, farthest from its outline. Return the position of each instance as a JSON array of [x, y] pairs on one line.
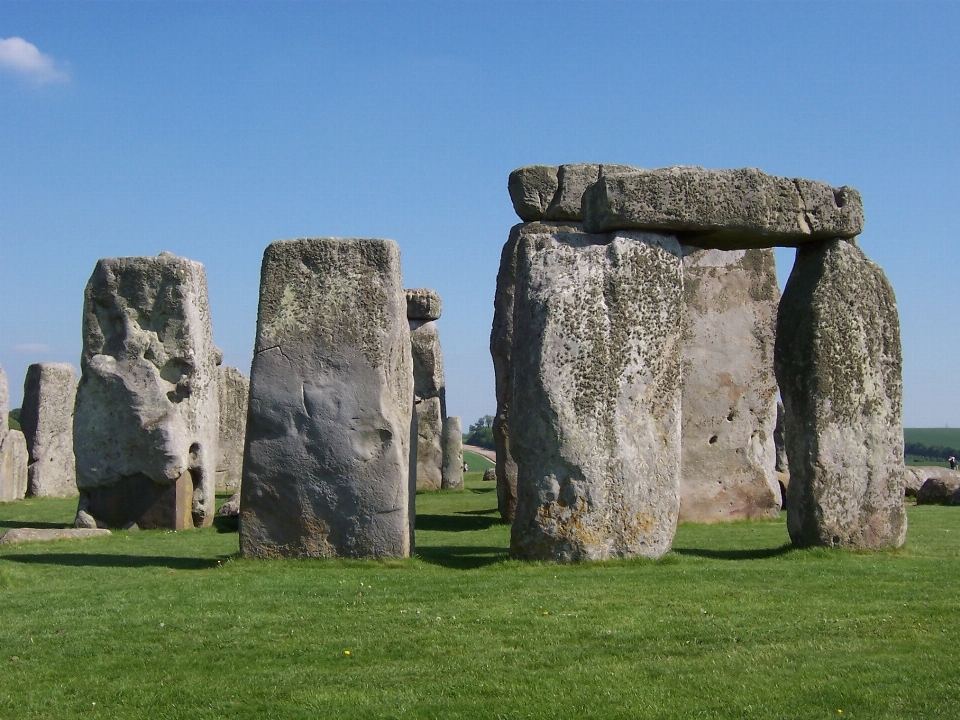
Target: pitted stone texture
[[501, 342], [13, 451], [423, 304], [452, 454], [233, 388], [916, 475], [146, 418], [726, 209], [838, 363], [939, 491], [729, 389], [49, 392], [326, 469], [555, 194], [779, 442], [532, 189], [595, 407], [28, 535], [429, 444], [430, 393]]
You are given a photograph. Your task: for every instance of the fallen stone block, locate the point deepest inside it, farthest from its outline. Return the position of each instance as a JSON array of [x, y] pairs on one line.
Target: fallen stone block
[[939, 491], [18, 536]]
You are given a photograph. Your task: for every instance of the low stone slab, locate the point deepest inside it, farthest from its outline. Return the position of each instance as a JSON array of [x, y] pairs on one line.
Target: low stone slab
[[917, 475], [595, 398], [27, 535], [490, 475], [939, 491], [726, 209]]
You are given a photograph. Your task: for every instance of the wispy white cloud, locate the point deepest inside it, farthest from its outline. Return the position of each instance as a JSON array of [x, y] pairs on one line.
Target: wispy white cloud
[[32, 348], [25, 59]]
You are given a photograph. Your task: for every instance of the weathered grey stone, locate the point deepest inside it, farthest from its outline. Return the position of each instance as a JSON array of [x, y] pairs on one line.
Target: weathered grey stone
[[233, 388], [231, 508], [13, 451], [939, 491], [327, 464], [49, 392], [27, 535], [452, 454], [532, 189], [916, 475], [423, 304], [573, 180], [490, 475], [595, 398], [430, 393], [727, 209], [146, 417], [779, 442], [838, 363], [729, 389]]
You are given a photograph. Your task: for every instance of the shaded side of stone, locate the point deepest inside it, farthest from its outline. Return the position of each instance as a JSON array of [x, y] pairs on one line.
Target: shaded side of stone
[[326, 466], [779, 442], [146, 414], [49, 393], [838, 364], [233, 389], [726, 209], [452, 454], [729, 388], [595, 396]]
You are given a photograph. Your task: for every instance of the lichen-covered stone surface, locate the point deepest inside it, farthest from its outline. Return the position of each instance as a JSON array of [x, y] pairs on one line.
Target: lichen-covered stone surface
[[838, 364], [552, 193], [423, 304], [452, 439], [233, 387], [430, 393], [13, 451], [727, 209], [532, 189], [49, 393], [327, 464], [146, 418], [729, 389], [595, 399]]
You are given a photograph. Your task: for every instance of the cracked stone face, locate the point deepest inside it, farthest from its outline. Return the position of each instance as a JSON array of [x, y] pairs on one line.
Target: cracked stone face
[[49, 393], [729, 388], [838, 363], [595, 393], [146, 417], [327, 463], [233, 387]]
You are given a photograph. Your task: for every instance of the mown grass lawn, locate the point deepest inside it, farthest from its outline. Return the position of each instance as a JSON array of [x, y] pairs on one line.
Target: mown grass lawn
[[732, 623]]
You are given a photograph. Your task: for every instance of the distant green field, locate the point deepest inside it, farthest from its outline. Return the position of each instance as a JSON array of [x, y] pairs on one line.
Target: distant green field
[[949, 437], [477, 463]]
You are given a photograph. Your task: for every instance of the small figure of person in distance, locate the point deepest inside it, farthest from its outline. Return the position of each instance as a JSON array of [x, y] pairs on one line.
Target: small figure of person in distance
[[953, 462]]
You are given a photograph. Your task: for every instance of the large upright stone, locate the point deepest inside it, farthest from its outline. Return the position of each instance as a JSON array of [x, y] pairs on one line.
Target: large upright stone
[[452, 454], [146, 419], [429, 389], [49, 392], [727, 209], [838, 363], [327, 464], [233, 387], [13, 451], [729, 388], [595, 397]]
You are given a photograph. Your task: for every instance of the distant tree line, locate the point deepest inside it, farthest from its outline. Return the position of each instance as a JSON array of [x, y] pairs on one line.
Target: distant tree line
[[480, 433], [929, 452]]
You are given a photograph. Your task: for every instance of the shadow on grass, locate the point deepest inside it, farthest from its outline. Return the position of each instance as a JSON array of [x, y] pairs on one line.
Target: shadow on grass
[[116, 561], [462, 558], [226, 524], [461, 522], [11, 524], [482, 491], [755, 554]]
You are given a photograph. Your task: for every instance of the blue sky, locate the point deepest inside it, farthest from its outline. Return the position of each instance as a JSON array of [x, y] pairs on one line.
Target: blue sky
[[211, 130]]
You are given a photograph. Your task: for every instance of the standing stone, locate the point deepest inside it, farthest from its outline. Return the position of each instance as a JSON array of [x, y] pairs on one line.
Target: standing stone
[[327, 463], [838, 363], [452, 454], [146, 418], [13, 451], [729, 388], [423, 307], [49, 392], [595, 397], [779, 441], [233, 387]]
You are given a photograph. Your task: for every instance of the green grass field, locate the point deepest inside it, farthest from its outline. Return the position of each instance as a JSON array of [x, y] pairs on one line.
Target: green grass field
[[949, 437], [731, 623]]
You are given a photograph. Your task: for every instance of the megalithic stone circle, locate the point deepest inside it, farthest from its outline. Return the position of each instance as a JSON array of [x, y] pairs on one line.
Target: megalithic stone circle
[[595, 401], [13, 451], [146, 416], [49, 393], [729, 388], [838, 362], [327, 462]]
